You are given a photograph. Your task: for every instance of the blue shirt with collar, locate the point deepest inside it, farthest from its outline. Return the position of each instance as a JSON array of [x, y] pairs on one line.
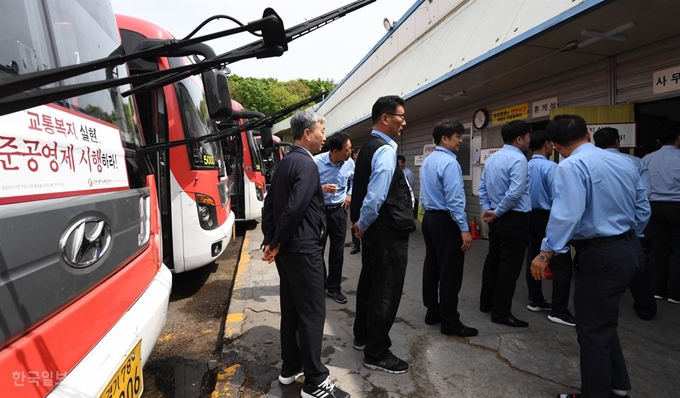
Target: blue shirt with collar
[[541, 174], [664, 172], [504, 185], [383, 165], [441, 185], [597, 194], [338, 174], [640, 165], [409, 177]]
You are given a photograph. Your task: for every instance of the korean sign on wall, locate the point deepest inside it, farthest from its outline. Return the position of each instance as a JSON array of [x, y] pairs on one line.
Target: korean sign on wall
[[485, 153], [516, 112], [49, 150], [542, 108], [627, 132], [666, 80]]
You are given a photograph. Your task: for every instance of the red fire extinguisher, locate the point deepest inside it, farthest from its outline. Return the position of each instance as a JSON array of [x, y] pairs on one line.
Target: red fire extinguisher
[[475, 229]]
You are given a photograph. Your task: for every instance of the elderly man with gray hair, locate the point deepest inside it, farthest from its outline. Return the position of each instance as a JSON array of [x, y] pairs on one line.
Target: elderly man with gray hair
[[294, 227]]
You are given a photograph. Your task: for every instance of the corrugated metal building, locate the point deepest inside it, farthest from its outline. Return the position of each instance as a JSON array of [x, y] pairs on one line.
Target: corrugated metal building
[[611, 61]]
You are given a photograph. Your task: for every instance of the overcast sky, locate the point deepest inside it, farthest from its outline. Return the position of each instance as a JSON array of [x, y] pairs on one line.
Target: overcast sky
[[330, 52]]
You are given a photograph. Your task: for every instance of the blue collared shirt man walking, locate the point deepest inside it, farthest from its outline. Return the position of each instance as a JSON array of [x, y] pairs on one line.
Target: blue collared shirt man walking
[[335, 173], [600, 205], [445, 230], [504, 196], [664, 226], [541, 176]]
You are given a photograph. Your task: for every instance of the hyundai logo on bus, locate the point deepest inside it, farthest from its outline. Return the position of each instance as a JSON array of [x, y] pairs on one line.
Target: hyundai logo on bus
[[85, 242]]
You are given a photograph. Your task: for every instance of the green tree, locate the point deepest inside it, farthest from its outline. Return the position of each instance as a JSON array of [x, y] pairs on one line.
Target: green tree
[[269, 95]]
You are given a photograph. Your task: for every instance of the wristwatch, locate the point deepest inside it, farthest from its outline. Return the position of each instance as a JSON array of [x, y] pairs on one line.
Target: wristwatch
[[543, 258]]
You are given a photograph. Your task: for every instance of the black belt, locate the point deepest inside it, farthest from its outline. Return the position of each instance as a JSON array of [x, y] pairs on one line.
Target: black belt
[[333, 207], [602, 239]]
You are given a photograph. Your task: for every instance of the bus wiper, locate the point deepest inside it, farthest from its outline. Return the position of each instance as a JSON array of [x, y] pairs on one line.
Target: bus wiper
[[267, 120], [270, 25], [247, 50]]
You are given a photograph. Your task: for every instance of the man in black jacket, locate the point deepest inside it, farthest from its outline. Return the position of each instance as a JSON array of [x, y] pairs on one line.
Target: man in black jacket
[[294, 223], [382, 216]]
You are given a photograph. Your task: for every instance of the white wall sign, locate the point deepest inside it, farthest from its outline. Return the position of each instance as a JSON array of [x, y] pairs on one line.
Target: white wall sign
[[542, 108], [418, 160], [485, 153], [49, 151], [627, 132], [666, 80], [428, 149]]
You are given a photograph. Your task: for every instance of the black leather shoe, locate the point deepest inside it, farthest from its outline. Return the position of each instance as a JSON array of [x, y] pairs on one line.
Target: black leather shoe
[[432, 319], [508, 320], [355, 250], [461, 331]]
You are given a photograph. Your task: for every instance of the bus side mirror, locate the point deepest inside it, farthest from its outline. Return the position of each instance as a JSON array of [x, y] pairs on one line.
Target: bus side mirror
[[266, 137], [217, 95]]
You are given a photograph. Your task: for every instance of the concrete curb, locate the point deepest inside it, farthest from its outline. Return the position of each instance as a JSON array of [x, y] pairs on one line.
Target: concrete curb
[[231, 378]]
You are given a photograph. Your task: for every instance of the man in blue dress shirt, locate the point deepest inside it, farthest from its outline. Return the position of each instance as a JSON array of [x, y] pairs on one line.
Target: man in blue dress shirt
[[445, 230], [382, 216], [600, 205], [504, 196], [335, 172], [642, 290], [541, 174], [664, 226]]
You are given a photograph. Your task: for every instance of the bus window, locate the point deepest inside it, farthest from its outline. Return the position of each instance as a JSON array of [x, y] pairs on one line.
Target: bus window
[[82, 34], [24, 44]]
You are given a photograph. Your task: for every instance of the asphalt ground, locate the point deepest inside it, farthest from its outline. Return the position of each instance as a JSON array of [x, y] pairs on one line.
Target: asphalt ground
[[539, 361]]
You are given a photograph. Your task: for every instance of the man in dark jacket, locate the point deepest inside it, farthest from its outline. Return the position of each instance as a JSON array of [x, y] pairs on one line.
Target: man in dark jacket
[[294, 223]]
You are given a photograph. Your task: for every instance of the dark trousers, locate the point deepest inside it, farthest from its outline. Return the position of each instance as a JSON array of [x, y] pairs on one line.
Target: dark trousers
[[383, 269], [664, 231], [602, 274], [336, 225], [503, 264], [356, 242], [443, 266], [560, 265], [642, 288], [303, 312]]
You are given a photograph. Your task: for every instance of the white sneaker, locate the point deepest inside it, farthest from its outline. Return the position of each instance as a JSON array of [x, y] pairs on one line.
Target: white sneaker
[[289, 380], [670, 300], [656, 296]]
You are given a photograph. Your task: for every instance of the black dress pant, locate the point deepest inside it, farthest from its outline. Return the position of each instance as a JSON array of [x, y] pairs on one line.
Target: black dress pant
[[642, 288], [381, 281], [503, 264], [560, 265], [664, 231], [602, 274], [336, 225], [303, 313], [443, 266], [356, 242]]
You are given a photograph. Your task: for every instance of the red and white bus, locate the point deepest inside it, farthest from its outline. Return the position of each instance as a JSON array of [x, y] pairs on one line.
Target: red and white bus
[[84, 293], [244, 166], [194, 201]]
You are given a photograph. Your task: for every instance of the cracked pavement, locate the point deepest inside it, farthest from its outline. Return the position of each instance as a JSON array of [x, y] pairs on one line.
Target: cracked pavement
[[538, 361]]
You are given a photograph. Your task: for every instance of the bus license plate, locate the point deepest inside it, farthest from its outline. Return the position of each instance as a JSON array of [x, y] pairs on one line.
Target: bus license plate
[[128, 381]]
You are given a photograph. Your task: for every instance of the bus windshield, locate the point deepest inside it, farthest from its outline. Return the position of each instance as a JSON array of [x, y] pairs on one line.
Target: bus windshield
[[40, 35], [197, 122]]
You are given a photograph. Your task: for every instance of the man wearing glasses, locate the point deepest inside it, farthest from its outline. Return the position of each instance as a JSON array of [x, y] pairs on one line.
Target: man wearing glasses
[[382, 216]]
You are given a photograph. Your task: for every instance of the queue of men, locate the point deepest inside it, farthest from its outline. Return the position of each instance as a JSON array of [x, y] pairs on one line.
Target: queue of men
[[594, 201]]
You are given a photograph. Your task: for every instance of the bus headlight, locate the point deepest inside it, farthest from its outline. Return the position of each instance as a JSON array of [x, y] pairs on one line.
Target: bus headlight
[[259, 191], [207, 214]]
